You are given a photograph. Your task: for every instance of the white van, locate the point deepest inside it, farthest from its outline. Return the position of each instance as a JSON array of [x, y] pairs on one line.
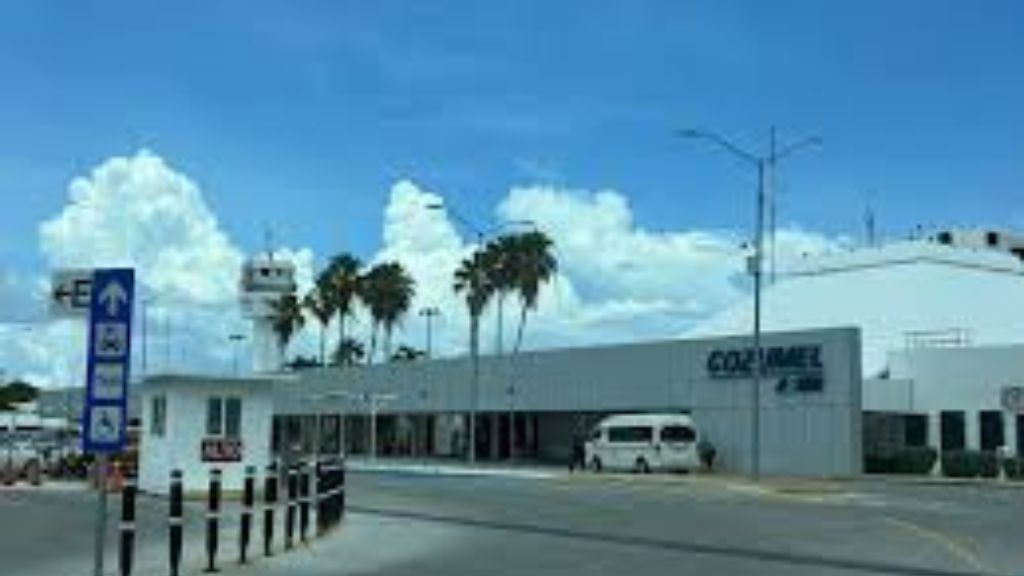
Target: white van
[[642, 443]]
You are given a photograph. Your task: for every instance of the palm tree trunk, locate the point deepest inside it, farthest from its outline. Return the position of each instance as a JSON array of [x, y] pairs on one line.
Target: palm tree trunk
[[387, 343], [499, 343], [323, 344], [373, 344], [341, 335], [474, 347], [520, 329]]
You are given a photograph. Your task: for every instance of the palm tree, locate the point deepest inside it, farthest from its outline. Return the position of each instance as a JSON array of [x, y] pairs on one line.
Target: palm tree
[[349, 352], [319, 303], [287, 320], [342, 282], [533, 265], [471, 280], [499, 260], [388, 291]]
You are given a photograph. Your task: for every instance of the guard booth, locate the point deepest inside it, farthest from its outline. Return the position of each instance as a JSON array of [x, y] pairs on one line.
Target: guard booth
[[197, 423]]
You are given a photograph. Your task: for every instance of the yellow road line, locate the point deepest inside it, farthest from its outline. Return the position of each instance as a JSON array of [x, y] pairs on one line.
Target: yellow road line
[[957, 549]]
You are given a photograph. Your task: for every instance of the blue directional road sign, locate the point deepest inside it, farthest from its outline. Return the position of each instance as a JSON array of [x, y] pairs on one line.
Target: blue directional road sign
[[109, 357]]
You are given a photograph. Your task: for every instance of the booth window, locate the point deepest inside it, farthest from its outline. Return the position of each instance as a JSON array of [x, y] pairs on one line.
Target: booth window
[[953, 434], [990, 423], [158, 416], [224, 417], [214, 416], [233, 417]]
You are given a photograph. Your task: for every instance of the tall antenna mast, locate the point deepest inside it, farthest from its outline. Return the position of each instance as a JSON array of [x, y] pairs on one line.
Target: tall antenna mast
[[268, 241], [869, 223], [772, 206]]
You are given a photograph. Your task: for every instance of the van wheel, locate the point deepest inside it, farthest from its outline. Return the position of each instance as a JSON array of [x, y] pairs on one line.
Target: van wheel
[[642, 466], [595, 465]]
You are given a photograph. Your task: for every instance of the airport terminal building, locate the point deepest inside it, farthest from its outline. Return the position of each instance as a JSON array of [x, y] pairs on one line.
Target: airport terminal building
[[917, 343]]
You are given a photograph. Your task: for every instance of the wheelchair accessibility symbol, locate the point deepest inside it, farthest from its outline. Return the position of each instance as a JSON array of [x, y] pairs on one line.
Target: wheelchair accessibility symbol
[[111, 340], [105, 424]]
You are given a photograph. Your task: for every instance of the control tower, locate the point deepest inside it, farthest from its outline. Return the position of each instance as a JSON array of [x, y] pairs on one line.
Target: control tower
[[264, 280]]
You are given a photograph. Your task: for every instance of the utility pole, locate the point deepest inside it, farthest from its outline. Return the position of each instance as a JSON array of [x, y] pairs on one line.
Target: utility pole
[[429, 313], [773, 204], [755, 264]]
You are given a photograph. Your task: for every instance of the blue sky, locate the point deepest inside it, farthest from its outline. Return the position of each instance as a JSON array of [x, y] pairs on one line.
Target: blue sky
[[304, 114]]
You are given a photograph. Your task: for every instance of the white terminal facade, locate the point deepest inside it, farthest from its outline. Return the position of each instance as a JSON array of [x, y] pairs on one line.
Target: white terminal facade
[[911, 343]]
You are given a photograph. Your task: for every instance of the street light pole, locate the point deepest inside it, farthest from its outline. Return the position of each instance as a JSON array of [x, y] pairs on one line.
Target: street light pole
[[755, 414], [429, 313], [756, 265], [236, 340]]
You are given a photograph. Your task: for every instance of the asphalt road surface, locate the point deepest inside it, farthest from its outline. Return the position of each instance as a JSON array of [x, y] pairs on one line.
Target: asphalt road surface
[[435, 525]]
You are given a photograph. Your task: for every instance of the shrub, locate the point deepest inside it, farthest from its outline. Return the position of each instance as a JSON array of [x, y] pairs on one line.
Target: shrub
[[902, 460], [969, 464], [989, 467], [914, 460], [1014, 468]]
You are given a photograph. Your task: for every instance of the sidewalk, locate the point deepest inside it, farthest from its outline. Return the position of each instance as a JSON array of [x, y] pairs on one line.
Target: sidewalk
[[452, 468], [364, 544]]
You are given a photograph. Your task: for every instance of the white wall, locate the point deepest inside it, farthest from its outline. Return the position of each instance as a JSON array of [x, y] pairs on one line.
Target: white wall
[[186, 426], [959, 379], [803, 433]]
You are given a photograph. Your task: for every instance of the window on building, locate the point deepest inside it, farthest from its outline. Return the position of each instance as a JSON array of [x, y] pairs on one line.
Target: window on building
[[678, 434], [992, 238], [158, 416], [233, 417], [915, 430], [214, 416], [630, 434], [990, 423], [224, 417], [953, 432]]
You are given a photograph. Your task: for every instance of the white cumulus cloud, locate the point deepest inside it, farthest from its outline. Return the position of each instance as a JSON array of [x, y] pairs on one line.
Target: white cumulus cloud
[[139, 212], [617, 281]]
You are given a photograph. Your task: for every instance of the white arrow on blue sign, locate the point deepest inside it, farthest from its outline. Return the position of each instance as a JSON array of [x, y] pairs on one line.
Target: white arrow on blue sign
[[109, 358]]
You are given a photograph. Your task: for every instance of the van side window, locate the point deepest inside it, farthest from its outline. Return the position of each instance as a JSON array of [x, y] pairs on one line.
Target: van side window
[[678, 434], [630, 434]]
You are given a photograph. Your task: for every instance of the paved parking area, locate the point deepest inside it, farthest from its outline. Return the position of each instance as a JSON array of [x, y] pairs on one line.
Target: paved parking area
[[585, 524]]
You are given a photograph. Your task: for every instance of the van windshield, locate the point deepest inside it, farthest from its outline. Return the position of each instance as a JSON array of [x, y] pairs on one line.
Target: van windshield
[[678, 434], [630, 434]]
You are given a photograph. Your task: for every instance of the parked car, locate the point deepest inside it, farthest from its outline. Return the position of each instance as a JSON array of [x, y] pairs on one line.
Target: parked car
[[643, 443], [21, 458]]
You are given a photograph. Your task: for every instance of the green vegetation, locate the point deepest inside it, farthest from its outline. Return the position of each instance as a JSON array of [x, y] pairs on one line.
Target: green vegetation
[[970, 464], [901, 460], [16, 392]]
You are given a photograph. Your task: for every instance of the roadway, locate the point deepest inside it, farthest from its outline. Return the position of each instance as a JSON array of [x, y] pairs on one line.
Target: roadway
[[427, 525]]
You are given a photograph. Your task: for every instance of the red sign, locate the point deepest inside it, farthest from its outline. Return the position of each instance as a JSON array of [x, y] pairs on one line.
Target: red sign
[[222, 450]]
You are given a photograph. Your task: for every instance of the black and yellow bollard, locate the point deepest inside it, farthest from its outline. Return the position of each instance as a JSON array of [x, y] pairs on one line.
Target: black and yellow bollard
[[127, 552], [175, 522], [289, 519], [320, 499], [269, 500], [341, 491], [303, 503], [213, 521], [248, 499]]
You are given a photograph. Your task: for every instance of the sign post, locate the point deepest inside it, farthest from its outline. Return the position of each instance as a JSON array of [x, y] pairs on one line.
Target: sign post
[[105, 414]]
